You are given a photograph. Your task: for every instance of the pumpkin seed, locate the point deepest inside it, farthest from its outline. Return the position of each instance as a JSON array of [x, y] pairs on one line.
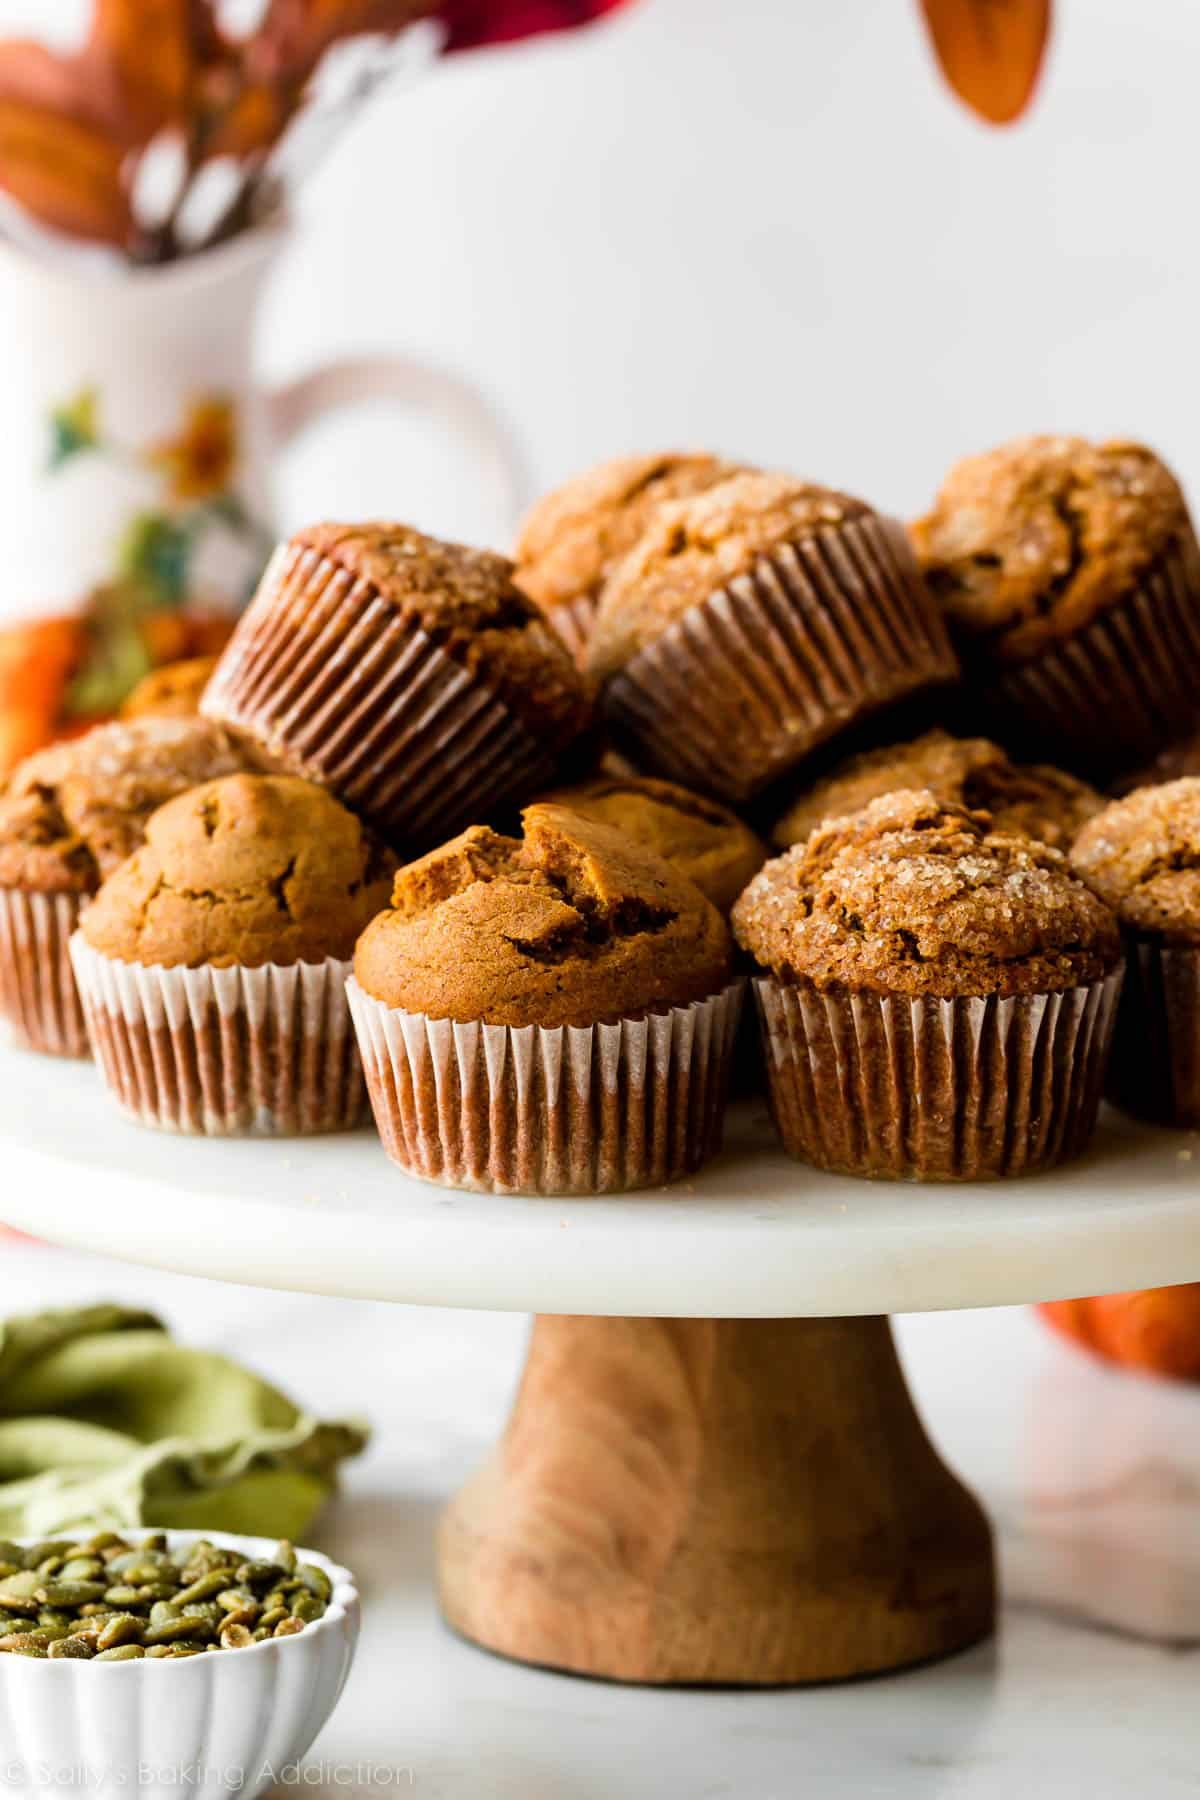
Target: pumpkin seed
[[122, 1628], [69, 1593], [107, 1599]]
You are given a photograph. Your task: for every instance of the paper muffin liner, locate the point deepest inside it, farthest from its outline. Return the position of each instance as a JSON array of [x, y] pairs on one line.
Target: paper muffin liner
[[238, 1052], [323, 678], [1114, 693], [964, 1089], [590, 1109], [816, 636], [38, 995], [573, 621], [1155, 1068]]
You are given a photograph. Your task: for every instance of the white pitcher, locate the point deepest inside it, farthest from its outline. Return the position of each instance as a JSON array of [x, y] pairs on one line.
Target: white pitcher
[[135, 465]]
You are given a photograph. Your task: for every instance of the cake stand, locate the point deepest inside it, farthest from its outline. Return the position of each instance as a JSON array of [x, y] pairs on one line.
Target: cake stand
[[713, 1472]]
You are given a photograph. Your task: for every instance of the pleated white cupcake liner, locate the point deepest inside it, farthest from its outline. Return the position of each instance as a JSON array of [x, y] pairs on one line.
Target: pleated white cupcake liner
[[38, 995], [263, 1052], [592, 1109], [818, 635], [323, 678], [962, 1089]]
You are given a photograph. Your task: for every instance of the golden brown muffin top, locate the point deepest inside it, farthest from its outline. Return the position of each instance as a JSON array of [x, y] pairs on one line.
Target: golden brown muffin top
[[914, 896], [571, 538], [250, 870], [69, 814], [1031, 541], [1034, 800], [171, 692], [1142, 855], [571, 925], [468, 603], [691, 548], [704, 840]]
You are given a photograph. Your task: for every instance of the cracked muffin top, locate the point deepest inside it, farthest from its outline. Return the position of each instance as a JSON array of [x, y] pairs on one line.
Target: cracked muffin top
[[691, 548], [573, 924], [704, 840], [171, 692], [71, 813], [1142, 855], [466, 600], [1031, 541], [572, 538], [915, 896], [250, 870], [1032, 800]]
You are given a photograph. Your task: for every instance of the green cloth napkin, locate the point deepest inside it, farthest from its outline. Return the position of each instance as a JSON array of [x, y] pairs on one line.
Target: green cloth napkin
[[105, 1422]]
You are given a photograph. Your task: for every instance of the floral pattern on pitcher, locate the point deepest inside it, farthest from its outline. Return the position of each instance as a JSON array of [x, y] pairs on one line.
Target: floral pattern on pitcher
[[174, 564]]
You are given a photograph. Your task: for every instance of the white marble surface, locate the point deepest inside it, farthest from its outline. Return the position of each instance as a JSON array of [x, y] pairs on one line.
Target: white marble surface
[[1092, 1477], [753, 1235]]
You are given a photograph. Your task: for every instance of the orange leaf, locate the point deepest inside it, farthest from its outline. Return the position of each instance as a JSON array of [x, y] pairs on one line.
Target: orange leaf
[[30, 72], [66, 171], [142, 57], [252, 123], [991, 51]]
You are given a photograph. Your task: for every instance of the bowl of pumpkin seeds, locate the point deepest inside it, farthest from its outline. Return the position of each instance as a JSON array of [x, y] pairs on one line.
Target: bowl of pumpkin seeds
[[241, 1647]]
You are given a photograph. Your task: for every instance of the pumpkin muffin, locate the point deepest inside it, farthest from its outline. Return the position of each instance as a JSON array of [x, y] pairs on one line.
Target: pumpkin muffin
[[571, 539], [1142, 855], [1070, 574], [170, 692], [702, 839], [755, 621], [546, 1014], [1031, 800], [410, 677], [938, 996], [68, 815], [212, 963]]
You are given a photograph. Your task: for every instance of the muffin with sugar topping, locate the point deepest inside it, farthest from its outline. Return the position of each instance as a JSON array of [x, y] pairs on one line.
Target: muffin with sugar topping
[[409, 676], [572, 538], [69, 814], [755, 621], [1142, 855], [1070, 575], [936, 996], [1029, 799]]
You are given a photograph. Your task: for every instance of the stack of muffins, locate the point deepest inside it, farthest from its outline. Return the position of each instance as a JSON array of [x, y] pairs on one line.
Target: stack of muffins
[[484, 843]]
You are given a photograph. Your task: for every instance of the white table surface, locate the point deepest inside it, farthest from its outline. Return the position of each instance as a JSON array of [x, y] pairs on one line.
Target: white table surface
[[1092, 1476]]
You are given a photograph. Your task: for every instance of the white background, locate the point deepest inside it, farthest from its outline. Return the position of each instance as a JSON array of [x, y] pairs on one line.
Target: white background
[[766, 226], [762, 225]]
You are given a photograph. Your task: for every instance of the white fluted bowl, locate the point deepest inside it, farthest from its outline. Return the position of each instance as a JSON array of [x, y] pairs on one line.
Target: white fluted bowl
[[226, 1723]]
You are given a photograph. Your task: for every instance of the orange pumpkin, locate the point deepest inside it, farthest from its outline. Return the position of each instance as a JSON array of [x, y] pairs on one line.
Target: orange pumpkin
[[1154, 1329]]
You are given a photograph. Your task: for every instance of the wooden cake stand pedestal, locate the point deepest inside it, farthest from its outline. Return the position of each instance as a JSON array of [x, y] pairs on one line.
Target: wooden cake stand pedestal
[[713, 1471], [696, 1500]]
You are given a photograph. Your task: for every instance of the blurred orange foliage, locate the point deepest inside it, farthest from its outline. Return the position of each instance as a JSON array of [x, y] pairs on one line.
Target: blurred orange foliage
[[1155, 1329]]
